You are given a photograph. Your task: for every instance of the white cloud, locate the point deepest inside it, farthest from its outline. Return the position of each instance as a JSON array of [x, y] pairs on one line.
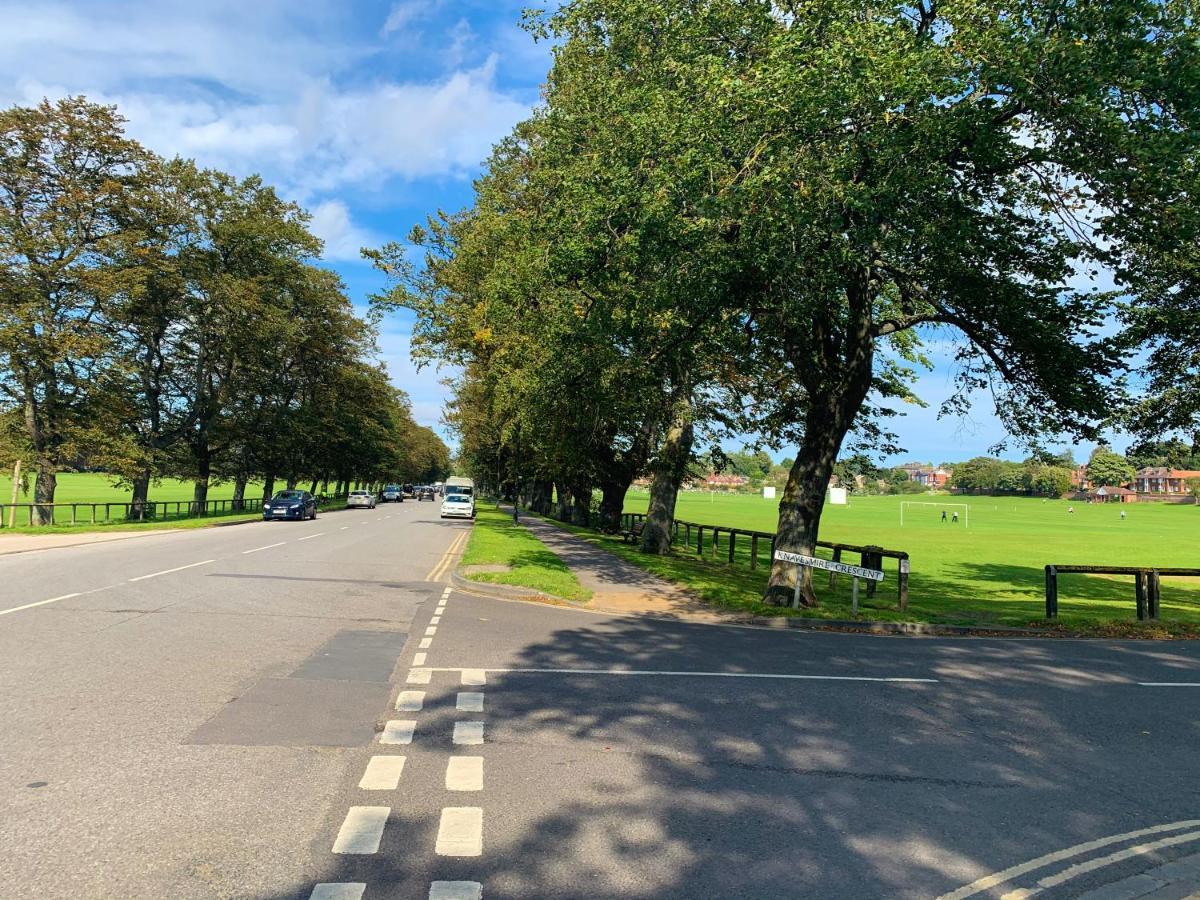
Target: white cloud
[[408, 11], [252, 93], [343, 240]]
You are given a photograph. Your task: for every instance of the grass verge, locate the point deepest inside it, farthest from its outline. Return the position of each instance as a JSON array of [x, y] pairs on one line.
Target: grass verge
[[495, 540], [736, 588]]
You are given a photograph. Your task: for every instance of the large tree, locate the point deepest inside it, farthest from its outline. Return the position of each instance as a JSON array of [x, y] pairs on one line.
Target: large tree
[[65, 168], [884, 171]]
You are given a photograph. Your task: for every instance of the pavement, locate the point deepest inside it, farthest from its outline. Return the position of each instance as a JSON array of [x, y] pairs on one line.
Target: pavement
[[619, 586], [27, 543], [308, 710]]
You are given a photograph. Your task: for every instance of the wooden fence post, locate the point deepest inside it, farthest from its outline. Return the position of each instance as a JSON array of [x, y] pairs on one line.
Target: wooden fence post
[[753, 552], [699, 540], [732, 538], [1154, 595], [1139, 592], [1051, 592], [902, 581]]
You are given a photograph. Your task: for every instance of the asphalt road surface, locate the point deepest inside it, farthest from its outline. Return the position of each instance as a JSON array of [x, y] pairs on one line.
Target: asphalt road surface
[[306, 710]]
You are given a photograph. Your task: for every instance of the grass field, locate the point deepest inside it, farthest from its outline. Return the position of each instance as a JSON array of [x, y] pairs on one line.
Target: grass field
[[495, 540], [91, 488], [990, 573]]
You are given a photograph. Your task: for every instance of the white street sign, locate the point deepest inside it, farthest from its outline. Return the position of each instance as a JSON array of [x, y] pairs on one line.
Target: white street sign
[[815, 562]]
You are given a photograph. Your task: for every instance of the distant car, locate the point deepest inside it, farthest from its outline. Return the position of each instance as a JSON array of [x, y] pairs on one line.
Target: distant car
[[409, 491], [392, 493], [425, 493], [290, 505], [360, 500], [458, 506]]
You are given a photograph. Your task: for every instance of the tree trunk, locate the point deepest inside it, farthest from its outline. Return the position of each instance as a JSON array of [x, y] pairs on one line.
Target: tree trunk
[[562, 510], [581, 504], [239, 492], [313, 488], [141, 496], [542, 497], [826, 424], [43, 494], [669, 471], [203, 457], [268, 487], [612, 503]]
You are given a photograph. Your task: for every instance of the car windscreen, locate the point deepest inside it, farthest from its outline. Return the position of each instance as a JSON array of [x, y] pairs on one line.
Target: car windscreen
[[290, 495]]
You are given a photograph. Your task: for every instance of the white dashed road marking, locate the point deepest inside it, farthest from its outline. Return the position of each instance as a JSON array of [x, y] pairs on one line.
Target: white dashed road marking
[[363, 830], [419, 676], [383, 773], [347, 890], [431, 631], [470, 701], [410, 701], [311, 536], [419, 659], [5, 612], [425, 642], [398, 731], [473, 676], [456, 890], [169, 571], [468, 732], [344, 528], [268, 547], [464, 773], [436, 620], [460, 832]]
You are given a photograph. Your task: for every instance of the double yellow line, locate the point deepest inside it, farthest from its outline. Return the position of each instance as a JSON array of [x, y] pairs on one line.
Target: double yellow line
[[443, 566]]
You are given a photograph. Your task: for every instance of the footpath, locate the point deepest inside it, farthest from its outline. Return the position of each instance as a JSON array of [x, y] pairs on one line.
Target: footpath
[[618, 586], [27, 543]]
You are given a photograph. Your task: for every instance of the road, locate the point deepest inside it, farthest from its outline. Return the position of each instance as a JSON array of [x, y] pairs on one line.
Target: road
[[296, 710]]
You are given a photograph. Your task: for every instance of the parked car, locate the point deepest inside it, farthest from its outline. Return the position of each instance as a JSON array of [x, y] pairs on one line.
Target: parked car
[[392, 493], [360, 500], [425, 492], [458, 506], [408, 490], [290, 505]]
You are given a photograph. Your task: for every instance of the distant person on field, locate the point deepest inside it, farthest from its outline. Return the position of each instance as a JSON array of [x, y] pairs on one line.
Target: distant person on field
[[1122, 515], [943, 515], [1070, 509], [954, 518]]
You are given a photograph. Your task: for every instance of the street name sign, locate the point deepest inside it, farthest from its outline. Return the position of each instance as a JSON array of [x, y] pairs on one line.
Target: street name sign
[[815, 562]]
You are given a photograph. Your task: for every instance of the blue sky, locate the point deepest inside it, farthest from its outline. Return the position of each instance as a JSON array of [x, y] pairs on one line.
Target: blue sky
[[370, 114]]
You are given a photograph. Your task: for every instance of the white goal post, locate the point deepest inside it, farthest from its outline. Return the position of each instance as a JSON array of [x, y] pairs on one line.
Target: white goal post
[[964, 507]]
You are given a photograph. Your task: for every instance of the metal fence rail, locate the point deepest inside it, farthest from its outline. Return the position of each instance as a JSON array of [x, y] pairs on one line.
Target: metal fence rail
[[67, 514], [869, 556]]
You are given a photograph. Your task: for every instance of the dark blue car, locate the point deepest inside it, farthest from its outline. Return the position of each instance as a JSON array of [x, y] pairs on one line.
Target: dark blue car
[[291, 505]]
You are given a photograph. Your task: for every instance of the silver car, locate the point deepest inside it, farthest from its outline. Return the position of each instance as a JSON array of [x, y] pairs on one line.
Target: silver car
[[360, 500]]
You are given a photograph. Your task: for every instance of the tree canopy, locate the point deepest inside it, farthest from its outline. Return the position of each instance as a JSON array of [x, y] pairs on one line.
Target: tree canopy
[[751, 214], [158, 319]]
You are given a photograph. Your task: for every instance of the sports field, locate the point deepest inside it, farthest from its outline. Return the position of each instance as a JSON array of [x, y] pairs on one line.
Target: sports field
[[993, 571]]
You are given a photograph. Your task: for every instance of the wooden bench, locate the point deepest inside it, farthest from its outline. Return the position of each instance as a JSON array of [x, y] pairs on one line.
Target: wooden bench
[[634, 534]]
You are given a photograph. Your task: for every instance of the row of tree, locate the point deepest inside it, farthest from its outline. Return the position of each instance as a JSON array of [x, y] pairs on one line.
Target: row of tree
[[158, 319], [745, 217]]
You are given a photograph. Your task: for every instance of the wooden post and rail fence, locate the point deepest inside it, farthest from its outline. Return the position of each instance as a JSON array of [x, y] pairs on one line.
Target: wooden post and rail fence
[[1147, 588], [870, 557]]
